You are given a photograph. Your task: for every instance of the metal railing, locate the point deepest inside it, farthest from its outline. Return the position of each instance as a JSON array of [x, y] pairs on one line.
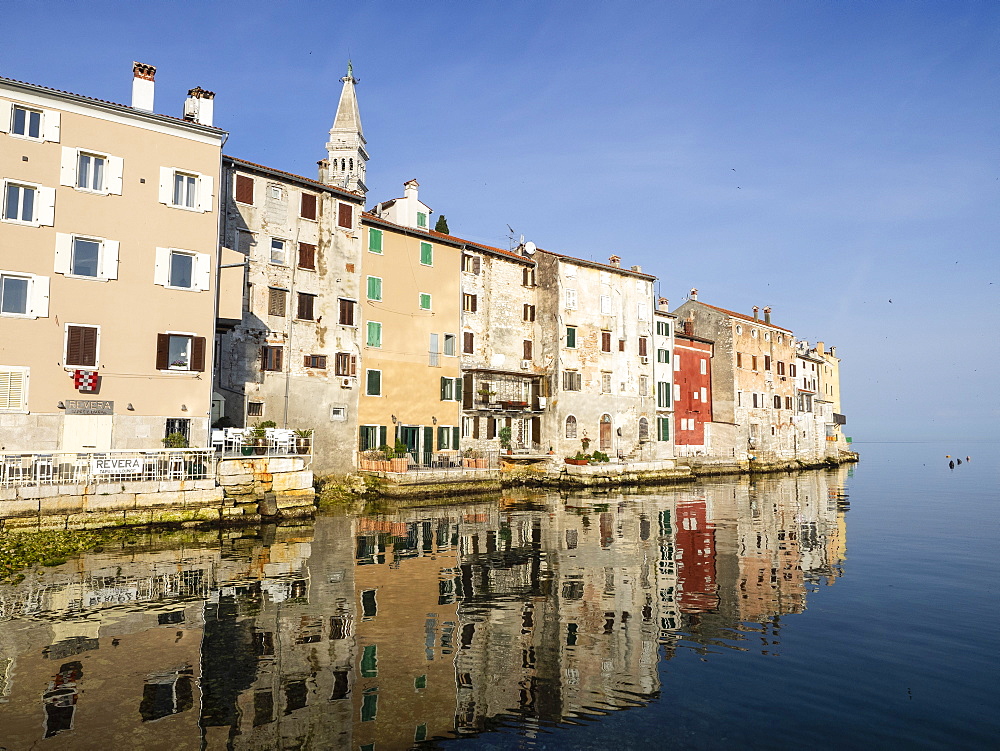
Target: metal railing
[[81, 468], [429, 461], [233, 442]]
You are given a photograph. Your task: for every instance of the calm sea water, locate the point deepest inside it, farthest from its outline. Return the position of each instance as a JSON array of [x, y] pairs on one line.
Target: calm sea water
[[851, 608]]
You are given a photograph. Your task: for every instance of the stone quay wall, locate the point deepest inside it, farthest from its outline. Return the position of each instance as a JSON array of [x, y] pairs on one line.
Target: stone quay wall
[[245, 490]]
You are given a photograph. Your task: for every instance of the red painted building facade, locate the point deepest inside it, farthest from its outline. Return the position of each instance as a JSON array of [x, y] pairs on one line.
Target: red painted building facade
[[692, 387], [698, 590]]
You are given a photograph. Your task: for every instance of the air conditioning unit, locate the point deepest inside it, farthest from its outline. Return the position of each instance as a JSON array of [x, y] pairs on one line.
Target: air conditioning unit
[[345, 383], [525, 364], [644, 360]]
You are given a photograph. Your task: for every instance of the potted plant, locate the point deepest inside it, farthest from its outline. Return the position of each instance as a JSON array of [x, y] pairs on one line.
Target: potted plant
[[386, 456], [303, 440], [599, 457], [505, 436], [485, 394], [399, 461], [585, 442], [580, 459], [175, 441], [258, 439]]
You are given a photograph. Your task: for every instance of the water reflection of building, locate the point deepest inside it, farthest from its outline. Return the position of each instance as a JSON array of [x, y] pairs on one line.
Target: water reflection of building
[[410, 625]]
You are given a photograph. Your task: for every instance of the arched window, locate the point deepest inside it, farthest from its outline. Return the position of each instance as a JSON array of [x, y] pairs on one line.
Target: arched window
[[343, 164], [571, 427], [643, 429]]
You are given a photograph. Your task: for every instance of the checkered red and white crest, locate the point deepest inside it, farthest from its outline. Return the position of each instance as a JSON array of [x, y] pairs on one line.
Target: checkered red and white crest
[[85, 380]]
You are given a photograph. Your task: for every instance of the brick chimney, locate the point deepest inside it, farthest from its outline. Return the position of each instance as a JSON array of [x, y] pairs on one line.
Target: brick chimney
[[756, 313], [199, 106], [767, 314], [615, 261], [142, 86]]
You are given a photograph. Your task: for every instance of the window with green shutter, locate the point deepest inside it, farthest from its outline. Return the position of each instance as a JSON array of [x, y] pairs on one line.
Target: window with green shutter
[[663, 328], [374, 334], [374, 240], [662, 394], [369, 705], [425, 301], [571, 336], [374, 288], [369, 662], [454, 437], [664, 428], [426, 254], [373, 383], [422, 219]]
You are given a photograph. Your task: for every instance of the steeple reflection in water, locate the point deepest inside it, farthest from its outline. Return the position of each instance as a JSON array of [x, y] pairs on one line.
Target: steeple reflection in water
[[382, 631]]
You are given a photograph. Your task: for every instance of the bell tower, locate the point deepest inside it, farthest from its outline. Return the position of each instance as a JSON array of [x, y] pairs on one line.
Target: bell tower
[[344, 166]]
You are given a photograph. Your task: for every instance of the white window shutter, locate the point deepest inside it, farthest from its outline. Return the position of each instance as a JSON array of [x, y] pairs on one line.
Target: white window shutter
[[203, 271], [113, 174], [46, 211], [109, 259], [166, 185], [6, 110], [40, 297], [64, 253], [67, 168], [50, 126], [161, 275], [206, 187]]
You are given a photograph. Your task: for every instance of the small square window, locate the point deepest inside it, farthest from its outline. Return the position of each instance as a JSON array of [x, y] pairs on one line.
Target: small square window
[[277, 251], [275, 192]]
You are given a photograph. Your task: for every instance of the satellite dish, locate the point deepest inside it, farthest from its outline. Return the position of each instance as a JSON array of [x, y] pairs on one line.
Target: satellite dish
[[530, 248]]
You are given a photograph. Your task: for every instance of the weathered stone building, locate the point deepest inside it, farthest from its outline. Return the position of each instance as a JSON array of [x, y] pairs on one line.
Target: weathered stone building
[[293, 355], [598, 348], [504, 377], [752, 386]]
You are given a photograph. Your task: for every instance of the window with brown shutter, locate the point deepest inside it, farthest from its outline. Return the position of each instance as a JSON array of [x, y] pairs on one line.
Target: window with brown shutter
[[198, 354], [307, 256], [270, 358], [605, 341], [346, 312], [739, 360], [469, 303], [621, 345], [642, 346], [244, 189], [345, 364], [314, 361], [162, 351], [767, 362], [529, 312], [308, 209], [306, 305], [81, 346], [468, 342], [345, 215], [753, 362], [276, 301], [527, 350]]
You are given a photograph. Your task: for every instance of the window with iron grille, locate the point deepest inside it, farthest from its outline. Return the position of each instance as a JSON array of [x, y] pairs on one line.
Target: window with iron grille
[[180, 425], [255, 409]]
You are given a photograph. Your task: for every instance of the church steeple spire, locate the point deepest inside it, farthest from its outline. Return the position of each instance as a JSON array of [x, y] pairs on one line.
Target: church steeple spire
[[344, 166]]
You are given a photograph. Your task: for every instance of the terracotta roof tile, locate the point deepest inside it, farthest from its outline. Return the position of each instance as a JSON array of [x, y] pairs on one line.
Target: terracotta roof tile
[[300, 178], [448, 238], [734, 314]]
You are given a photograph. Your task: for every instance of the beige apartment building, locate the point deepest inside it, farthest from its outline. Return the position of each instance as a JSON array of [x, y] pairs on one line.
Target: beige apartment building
[[108, 254], [410, 318]]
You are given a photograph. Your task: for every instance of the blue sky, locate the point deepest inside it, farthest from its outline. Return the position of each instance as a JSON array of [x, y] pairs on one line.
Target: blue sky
[[822, 158]]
